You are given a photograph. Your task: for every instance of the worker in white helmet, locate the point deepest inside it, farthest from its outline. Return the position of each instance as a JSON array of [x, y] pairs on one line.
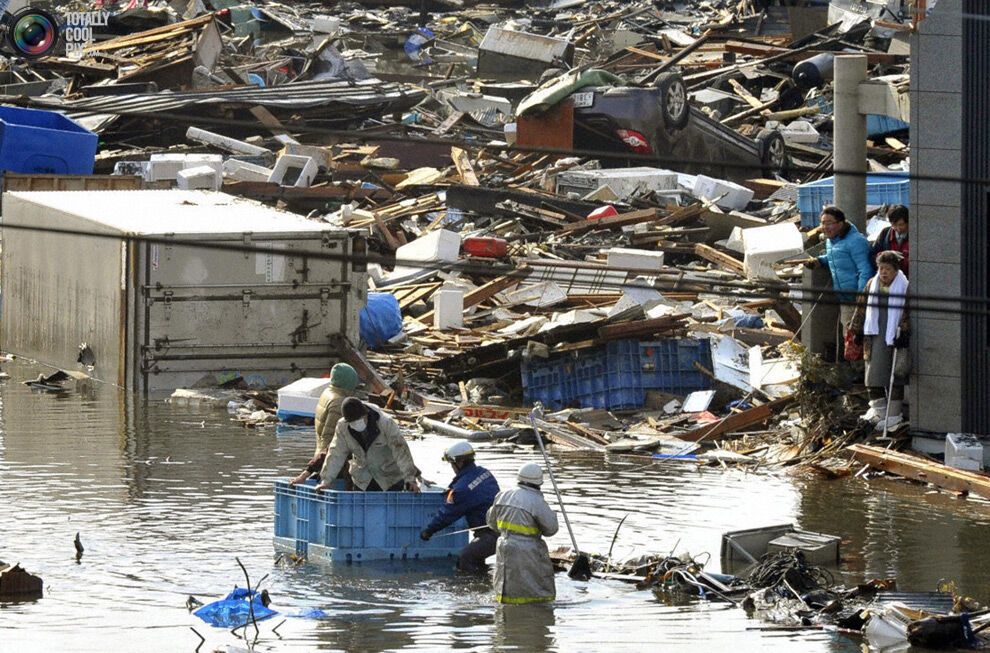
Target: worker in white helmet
[[469, 495], [521, 516]]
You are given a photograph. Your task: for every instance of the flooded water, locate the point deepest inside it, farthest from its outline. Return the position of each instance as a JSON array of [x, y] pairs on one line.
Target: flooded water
[[165, 498]]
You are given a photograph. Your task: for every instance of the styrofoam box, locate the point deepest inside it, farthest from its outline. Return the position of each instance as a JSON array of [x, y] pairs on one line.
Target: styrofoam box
[[963, 451], [733, 196], [198, 178], [300, 398], [635, 259], [764, 246], [439, 245], [623, 181]]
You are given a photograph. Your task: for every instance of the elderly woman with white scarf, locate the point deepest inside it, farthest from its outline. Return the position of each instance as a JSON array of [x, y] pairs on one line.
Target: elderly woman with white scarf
[[881, 321]]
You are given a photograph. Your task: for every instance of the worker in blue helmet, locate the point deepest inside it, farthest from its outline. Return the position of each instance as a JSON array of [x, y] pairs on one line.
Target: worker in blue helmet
[[469, 495]]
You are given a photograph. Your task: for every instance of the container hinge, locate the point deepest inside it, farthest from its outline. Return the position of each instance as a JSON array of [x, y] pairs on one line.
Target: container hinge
[[167, 299], [247, 244], [324, 300], [246, 300]]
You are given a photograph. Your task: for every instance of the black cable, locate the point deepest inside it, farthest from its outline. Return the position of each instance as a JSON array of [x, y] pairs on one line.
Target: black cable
[[826, 295]]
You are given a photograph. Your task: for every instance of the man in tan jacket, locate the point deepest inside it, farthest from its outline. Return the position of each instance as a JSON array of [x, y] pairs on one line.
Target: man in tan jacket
[[379, 456], [343, 381]]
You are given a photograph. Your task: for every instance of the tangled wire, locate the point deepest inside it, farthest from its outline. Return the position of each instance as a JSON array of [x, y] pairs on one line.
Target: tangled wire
[[789, 569]]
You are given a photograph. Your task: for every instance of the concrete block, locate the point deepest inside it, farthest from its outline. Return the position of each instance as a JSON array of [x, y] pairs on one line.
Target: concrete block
[[225, 142], [939, 346], [935, 234], [930, 278], [634, 259], [937, 163], [938, 109], [448, 308], [963, 451], [295, 171], [945, 18], [731, 196], [940, 407], [244, 171], [764, 246], [198, 178], [939, 61]]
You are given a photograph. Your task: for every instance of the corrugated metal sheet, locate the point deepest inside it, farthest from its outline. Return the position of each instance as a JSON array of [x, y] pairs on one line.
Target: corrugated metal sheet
[[975, 231], [351, 99], [523, 44]]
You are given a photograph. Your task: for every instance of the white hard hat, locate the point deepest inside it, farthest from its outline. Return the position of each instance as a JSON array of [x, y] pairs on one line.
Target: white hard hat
[[457, 450], [530, 473]]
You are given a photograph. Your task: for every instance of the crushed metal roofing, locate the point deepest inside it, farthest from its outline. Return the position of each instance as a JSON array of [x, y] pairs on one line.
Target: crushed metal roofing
[[355, 99]]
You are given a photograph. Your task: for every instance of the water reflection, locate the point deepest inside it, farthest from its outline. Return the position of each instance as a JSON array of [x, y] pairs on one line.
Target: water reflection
[[165, 497], [524, 628]]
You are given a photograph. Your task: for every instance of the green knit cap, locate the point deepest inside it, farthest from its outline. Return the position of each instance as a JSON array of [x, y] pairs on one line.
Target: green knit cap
[[343, 376]]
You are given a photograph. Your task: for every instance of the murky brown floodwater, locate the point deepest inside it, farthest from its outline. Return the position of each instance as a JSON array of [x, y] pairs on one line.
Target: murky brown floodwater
[[166, 497]]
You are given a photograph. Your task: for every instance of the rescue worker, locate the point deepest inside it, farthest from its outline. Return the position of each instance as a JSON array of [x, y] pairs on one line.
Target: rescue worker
[[469, 495], [523, 571], [343, 383], [379, 456]]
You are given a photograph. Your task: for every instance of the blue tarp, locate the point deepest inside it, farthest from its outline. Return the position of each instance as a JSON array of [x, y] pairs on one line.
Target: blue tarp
[[381, 319], [234, 610]]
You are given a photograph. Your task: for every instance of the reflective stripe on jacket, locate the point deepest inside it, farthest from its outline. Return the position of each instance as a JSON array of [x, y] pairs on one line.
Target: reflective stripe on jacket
[[387, 460], [523, 571]]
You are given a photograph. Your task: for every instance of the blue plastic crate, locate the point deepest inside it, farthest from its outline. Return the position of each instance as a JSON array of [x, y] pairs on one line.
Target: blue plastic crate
[[44, 142], [359, 526], [883, 188], [550, 382], [618, 375]]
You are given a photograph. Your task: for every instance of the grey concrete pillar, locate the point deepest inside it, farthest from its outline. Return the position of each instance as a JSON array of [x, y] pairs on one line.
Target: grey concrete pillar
[[850, 139]]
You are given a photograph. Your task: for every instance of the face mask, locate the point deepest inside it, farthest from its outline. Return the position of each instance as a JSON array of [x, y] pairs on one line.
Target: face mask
[[359, 425]]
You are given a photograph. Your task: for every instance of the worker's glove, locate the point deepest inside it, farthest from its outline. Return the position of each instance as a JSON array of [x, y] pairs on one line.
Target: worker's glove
[[903, 340], [858, 338], [412, 486], [425, 534]]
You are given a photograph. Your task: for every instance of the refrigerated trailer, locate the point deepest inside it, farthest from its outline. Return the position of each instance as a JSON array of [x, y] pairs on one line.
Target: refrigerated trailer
[[172, 288]]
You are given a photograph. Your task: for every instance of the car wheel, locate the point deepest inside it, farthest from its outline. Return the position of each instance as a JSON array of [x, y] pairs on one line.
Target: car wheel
[[773, 152], [673, 100]]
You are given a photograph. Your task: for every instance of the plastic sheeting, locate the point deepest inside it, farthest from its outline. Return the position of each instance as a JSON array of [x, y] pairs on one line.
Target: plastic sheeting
[[235, 610], [381, 319]]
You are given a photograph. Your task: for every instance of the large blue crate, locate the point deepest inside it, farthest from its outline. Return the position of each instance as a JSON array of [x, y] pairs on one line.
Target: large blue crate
[[618, 375], [44, 142], [882, 188], [342, 526]]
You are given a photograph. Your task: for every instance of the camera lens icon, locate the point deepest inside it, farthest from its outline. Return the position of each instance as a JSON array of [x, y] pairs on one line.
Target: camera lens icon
[[32, 33]]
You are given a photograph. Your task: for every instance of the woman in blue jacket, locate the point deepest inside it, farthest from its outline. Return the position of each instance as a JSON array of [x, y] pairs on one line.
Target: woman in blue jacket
[[848, 257]]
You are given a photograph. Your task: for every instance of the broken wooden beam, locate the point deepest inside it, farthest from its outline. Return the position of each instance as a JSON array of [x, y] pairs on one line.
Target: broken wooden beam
[[922, 469], [736, 422], [720, 259]]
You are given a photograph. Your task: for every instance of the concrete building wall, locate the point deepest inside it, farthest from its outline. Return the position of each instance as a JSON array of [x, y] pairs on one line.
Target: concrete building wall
[[936, 216]]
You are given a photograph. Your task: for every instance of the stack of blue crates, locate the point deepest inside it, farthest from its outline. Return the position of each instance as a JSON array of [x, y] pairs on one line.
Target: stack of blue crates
[[337, 526], [881, 188], [617, 375]]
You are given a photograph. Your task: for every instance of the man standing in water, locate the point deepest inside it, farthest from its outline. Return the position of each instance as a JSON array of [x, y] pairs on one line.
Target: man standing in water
[[521, 516], [469, 495]]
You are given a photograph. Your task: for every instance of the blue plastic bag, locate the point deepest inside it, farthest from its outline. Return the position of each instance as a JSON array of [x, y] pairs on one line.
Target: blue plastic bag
[[381, 319], [414, 45], [234, 610]]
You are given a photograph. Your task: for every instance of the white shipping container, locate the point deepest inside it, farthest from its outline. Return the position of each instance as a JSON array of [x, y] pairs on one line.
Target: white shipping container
[[163, 312]]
